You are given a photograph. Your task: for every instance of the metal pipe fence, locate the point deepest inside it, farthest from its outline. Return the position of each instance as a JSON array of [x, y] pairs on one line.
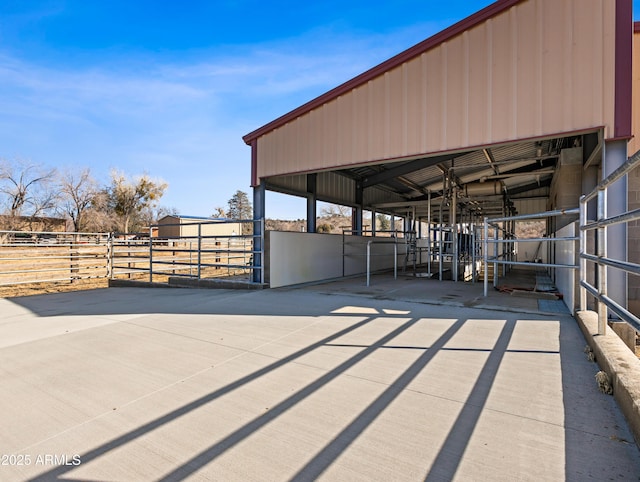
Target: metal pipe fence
[[600, 259], [47, 257], [50, 257], [506, 258]]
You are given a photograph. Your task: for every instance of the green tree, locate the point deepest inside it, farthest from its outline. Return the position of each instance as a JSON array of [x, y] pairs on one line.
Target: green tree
[[383, 222], [129, 198], [240, 208]]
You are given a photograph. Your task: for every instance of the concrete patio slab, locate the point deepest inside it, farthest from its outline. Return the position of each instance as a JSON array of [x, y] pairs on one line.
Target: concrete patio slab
[[302, 383]]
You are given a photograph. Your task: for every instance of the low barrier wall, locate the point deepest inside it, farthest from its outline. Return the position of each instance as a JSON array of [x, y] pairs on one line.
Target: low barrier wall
[[296, 258]]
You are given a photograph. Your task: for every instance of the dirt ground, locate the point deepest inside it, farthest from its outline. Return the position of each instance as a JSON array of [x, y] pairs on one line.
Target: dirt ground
[[43, 288]]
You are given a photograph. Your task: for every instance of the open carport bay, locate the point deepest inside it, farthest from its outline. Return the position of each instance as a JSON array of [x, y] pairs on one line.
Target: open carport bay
[[299, 383]]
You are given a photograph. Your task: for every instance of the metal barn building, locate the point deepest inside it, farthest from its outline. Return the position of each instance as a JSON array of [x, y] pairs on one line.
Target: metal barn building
[[519, 109]]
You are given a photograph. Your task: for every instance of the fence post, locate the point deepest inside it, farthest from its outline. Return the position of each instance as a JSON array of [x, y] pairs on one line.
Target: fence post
[[602, 268], [485, 256], [73, 258], [110, 256], [582, 272], [150, 257], [199, 250]]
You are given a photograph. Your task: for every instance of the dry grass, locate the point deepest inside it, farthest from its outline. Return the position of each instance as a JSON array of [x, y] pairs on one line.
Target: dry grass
[[54, 287]]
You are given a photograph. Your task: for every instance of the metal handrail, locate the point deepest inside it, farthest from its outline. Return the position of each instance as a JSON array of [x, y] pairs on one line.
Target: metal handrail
[[601, 258], [497, 259]]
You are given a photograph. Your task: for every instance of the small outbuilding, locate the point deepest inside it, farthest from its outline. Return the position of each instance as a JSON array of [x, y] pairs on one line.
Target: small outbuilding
[[176, 226]]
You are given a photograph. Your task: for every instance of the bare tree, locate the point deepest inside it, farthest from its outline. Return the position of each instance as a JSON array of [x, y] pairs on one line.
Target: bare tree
[[128, 198], [152, 214], [219, 212], [78, 191], [27, 190], [336, 210], [99, 217]]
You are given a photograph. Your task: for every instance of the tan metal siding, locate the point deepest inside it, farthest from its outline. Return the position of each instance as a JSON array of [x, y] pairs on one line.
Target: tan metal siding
[[540, 68]]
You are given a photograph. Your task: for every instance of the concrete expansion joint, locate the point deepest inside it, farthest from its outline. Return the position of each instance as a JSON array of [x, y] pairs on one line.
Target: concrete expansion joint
[[620, 368]]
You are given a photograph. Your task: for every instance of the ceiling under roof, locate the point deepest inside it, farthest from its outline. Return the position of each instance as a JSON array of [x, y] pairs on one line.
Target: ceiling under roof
[[491, 181]]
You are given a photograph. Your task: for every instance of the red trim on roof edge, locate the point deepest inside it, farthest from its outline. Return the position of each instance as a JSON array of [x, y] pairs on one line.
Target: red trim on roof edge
[[254, 163], [636, 27], [418, 49], [623, 66]]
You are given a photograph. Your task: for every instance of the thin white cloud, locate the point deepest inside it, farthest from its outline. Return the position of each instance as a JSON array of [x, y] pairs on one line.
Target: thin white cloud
[[178, 119]]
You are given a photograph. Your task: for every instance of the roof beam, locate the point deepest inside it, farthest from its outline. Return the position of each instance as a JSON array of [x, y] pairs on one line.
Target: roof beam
[[492, 162], [407, 168]]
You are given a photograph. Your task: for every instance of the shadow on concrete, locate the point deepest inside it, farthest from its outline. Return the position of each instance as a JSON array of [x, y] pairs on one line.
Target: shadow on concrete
[[320, 462], [579, 398]]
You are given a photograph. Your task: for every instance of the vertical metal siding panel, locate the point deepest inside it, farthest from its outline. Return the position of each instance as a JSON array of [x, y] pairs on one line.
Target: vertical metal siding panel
[[310, 140], [435, 99], [360, 120], [584, 93], [598, 61], [266, 156], [501, 93], [292, 158], [526, 56], [345, 128], [316, 138], [282, 147], [376, 119], [395, 139], [443, 95], [489, 87], [540, 72], [330, 127], [413, 102], [424, 116], [464, 60], [552, 62], [567, 65], [291, 145], [455, 92], [478, 84]]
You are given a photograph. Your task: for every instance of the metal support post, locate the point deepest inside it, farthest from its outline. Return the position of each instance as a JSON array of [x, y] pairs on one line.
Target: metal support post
[[583, 250], [495, 255], [429, 231], [602, 268], [258, 234], [454, 235], [485, 256]]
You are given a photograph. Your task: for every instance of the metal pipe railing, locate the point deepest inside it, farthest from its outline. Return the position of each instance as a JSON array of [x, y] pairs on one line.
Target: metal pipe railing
[[601, 258], [499, 259]]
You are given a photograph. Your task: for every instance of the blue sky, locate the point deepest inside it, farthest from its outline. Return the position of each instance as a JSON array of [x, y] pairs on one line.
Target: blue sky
[[169, 88]]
